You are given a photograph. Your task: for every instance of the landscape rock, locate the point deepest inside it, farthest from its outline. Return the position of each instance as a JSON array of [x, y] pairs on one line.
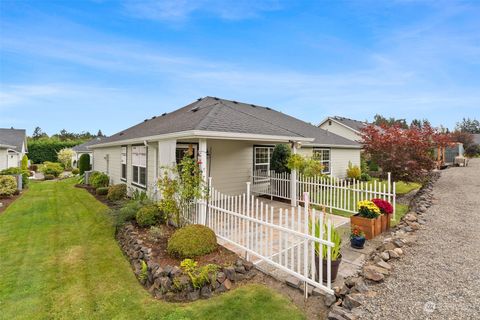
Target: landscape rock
[[352, 300], [293, 282], [410, 217], [230, 273], [206, 292], [194, 295], [385, 256], [373, 275], [329, 299], [384, 265], [360, 287], [398, 251], [398, 243], [376, 269], [393, 254], [221, 277]]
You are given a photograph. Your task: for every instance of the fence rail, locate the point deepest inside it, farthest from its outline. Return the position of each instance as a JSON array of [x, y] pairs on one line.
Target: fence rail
[[283, 238], [338, 194]]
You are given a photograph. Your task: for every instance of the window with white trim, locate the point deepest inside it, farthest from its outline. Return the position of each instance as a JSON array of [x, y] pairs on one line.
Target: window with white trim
[[261, 159], [323, 155], [124, 163], [139, 165]]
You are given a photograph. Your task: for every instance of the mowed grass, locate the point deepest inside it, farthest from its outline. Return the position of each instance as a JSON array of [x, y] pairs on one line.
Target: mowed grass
[[59, 260]]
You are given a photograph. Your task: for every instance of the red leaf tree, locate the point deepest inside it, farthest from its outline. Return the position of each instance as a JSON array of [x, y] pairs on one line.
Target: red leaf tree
[[406, 153]]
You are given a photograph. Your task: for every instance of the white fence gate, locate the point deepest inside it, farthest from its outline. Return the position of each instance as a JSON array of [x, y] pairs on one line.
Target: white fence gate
[[338, 194], [284, 239]]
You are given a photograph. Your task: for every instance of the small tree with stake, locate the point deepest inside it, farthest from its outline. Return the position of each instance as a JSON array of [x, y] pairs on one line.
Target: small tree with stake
[[279, 160]]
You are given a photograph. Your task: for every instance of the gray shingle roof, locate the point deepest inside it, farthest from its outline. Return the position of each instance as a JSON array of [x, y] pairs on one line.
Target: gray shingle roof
[[13, 137], [83, 147], [354, 124], [220, 115]]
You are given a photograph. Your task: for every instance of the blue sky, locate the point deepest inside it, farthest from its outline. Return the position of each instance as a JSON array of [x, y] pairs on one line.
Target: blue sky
[[89, 65]]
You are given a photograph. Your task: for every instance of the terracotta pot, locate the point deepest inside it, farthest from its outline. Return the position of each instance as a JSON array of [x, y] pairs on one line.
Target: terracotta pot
[[364, 224], [378, 225], [333, 271]]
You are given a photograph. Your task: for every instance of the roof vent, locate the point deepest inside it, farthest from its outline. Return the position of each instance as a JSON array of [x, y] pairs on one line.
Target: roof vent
[[154, 117], [120, 134], [235, 102], [253, 105], [145, 120], [164, 114], [216, 98], [195, 109], [199, 99], [268, 108]]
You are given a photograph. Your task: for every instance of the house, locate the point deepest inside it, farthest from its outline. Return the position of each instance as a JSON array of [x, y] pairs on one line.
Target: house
[[80, 149], [231, 140], [13, 146], [344, 127]]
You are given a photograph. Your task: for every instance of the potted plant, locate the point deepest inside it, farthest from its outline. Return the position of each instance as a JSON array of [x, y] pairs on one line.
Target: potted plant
[[367, 218], [335, 255], [387, 210], [357, 238]]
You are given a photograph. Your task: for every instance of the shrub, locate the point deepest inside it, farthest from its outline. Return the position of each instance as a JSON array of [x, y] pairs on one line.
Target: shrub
[[353, 172], [75, 171], [34, 167], [279, 160], [192, 241], [365, 177], [53, 168], [14, 171], [49, 177], [24, 162], [101, 191], [99, 179], [148, 215], [155, 233], [8, 186], [117, 192], [128, 212], [199, 276], [65, 157], [84, 163], [307, 166]]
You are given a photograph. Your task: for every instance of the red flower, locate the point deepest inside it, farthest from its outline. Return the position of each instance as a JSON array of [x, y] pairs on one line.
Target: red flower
[[384, 206]]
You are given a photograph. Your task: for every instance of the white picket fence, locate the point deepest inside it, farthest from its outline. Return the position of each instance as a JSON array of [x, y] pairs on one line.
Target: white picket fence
[[339, 194], [282, 238]]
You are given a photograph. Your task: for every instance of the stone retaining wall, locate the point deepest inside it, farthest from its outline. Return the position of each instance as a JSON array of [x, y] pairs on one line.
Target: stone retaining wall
[[169, 282]]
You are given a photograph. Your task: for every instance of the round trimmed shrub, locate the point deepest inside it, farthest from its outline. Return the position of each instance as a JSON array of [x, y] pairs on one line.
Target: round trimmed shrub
[[117, 192], [101, 191], [75, 171], [8, 186], [192, 241], [99, 179], [84, 163], [53, 168], [148, 215], [49, 177]]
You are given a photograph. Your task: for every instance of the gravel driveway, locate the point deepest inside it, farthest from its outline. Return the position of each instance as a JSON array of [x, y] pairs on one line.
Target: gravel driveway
[[439, 276]]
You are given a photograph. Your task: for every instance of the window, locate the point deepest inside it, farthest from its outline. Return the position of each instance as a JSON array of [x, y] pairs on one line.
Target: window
[[261, 159], [323, 155], [139, 165], [183, 149], [124, 163]]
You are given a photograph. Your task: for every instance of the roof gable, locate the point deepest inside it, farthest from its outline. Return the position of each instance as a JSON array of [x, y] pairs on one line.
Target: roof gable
[[15, 138]]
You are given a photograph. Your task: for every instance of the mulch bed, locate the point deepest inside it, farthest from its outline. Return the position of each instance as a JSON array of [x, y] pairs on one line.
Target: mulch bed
[[222, 256], [8, 201]]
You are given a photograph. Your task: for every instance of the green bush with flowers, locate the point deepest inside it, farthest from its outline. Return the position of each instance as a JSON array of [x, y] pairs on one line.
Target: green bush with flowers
[[368, 209]]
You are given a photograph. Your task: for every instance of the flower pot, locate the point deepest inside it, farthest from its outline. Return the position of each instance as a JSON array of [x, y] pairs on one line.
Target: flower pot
[[333, 271], [357, 242], [365, 224], [378, 225]]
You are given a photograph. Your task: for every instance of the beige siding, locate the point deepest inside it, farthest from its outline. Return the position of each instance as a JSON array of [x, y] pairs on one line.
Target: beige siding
[[112, 168], [231, 165], [3, 159], [305, 151], [340, 159], [340, 130]]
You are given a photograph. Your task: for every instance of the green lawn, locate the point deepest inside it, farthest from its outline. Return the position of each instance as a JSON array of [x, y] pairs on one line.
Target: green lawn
[[59, 260]]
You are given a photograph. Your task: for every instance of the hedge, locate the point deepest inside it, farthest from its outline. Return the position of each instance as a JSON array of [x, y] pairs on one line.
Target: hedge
[[40, 151]]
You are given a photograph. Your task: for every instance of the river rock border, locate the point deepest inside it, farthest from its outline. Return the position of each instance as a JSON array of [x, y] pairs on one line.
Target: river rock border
[[353, 292], [169, 282]]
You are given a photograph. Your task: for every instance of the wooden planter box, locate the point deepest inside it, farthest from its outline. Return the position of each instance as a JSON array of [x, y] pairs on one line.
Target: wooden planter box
[[386, 221], [371, 227]]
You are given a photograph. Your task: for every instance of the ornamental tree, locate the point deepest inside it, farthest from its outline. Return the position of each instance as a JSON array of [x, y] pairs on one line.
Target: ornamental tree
[[279, 160], [406, 153], [65, 157]]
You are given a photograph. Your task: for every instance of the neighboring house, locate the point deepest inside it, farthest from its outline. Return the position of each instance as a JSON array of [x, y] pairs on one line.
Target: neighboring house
[[230, 139], [13, 146], [344, 127], [80, 149]]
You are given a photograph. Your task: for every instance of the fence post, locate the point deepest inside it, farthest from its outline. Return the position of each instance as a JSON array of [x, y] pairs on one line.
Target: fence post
[[247, 212], [306, 201]]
